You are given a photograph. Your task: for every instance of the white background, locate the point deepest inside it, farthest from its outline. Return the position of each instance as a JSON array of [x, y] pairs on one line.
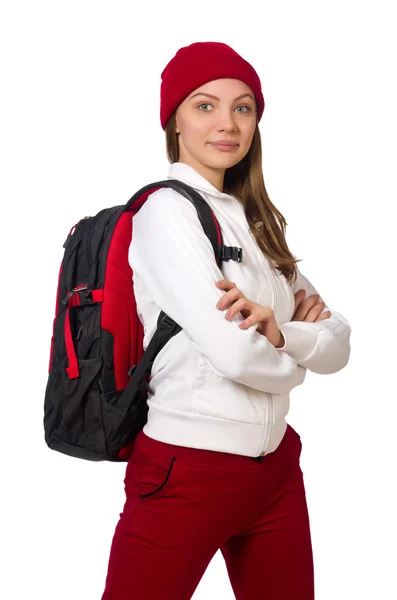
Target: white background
[[80, 131]]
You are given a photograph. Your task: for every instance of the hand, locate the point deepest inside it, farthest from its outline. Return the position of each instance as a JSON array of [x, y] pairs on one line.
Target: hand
[[309, 309], [252, 312]]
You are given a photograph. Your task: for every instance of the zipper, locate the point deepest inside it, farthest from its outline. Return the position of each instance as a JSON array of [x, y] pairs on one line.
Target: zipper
[[72, 231], [270, 427], [89, 233], [87, 242], [274, 302]]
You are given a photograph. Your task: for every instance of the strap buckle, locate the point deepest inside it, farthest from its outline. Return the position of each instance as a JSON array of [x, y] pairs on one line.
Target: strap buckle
[[231, 253], [86, 298], [143, 385], [167, 324], [75, 290]]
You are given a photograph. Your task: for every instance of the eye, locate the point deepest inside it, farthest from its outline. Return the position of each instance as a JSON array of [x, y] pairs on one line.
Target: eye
[[204, 104], [240, 106]]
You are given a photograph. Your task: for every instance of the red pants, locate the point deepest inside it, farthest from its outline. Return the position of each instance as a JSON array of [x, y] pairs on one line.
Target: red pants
[[183, 504]]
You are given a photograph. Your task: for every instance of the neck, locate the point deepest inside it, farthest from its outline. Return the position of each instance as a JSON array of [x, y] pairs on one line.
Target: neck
[[214, 176]]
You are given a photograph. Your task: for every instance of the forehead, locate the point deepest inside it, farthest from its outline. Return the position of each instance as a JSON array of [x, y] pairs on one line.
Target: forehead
[[224, 87]]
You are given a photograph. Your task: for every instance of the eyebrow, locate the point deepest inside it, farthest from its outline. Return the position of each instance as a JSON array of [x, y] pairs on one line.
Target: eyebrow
[[216, 97]]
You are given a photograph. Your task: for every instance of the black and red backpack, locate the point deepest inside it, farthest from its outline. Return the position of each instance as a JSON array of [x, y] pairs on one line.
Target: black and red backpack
[[95, 398]]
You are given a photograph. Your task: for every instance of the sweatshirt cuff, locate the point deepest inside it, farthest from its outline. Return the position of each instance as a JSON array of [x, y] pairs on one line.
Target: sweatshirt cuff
[[300, 339]]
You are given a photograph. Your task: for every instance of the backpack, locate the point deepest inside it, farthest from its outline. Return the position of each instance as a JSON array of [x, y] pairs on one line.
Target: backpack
[[98, 376]]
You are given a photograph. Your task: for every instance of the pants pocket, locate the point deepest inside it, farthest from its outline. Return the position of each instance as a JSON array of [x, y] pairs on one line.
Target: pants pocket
[[156, 477], [150, 474]]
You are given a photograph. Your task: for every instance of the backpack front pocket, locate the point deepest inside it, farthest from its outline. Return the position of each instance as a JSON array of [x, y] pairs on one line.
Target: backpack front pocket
[[121, 426], [80, 398]]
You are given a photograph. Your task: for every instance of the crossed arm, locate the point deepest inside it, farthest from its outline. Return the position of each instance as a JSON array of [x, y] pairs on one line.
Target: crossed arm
[[323, 346]]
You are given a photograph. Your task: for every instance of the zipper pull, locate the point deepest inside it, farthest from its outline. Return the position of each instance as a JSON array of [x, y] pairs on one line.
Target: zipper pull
[[72, 231]]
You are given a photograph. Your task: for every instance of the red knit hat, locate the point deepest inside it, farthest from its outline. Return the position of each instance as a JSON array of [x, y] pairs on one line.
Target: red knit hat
[[195, 65]]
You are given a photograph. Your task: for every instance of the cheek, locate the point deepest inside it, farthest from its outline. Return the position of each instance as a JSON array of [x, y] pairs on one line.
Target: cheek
[[197, 131], [249, 132], [246, 142], [199, 138]]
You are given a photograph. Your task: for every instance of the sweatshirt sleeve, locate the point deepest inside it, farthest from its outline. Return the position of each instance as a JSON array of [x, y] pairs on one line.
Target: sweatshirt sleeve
[[174, 257], [322, 347]]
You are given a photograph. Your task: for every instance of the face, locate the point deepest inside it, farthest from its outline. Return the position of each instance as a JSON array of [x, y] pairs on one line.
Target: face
[[202, 120]]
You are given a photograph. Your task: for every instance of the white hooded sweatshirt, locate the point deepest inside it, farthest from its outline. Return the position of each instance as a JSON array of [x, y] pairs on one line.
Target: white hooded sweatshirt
[[216, 386]]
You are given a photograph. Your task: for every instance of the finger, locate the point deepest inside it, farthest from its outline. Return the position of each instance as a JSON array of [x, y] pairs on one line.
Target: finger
[[253, 319], [228, 298], [314, 312], [225, 283], [299, 297], [261, 316], [241, 304], [325, 315], [305, 306]]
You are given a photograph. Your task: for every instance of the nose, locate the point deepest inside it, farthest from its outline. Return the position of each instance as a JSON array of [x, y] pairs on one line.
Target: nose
[[226, 120]]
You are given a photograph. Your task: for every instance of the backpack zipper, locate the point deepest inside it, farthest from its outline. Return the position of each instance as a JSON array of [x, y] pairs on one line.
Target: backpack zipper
[[71, 232], [88, 236], [87, 242]]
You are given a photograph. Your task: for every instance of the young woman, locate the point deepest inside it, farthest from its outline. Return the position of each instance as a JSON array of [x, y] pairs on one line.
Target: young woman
[[216, 466]]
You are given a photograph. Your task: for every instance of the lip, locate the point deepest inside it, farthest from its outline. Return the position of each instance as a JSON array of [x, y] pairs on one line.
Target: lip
[[224, 143], [224, 147]]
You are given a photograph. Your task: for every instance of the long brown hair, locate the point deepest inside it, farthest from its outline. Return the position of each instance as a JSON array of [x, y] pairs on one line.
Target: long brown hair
[[245, 182]]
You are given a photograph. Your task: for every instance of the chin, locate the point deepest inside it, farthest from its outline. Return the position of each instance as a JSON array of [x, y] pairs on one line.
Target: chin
[[225, 157], [222, 164]]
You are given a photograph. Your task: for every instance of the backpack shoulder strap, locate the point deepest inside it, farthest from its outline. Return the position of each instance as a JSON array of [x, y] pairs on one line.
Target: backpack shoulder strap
[[167, 327], [205, 214]]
